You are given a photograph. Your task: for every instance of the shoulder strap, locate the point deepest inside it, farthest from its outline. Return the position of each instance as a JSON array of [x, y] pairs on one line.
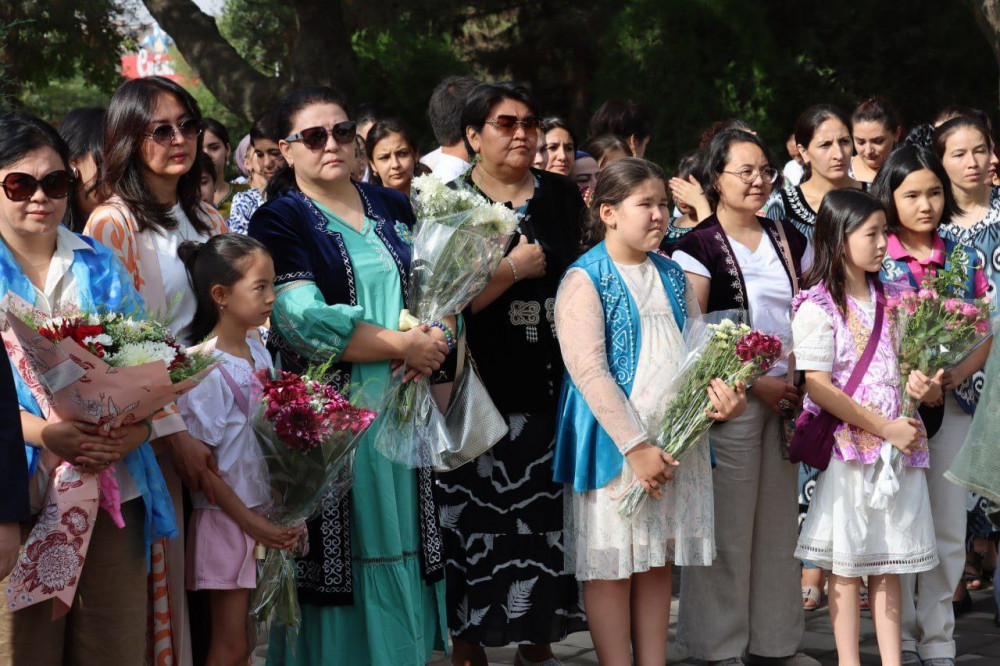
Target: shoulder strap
[[787, 251], [866, 356], [241, 398]]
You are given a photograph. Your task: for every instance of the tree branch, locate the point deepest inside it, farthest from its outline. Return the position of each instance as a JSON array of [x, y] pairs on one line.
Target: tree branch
[[233, 81]]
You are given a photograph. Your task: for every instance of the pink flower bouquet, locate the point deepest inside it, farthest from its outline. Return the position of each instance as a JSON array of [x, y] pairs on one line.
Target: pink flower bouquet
[[307, 432]]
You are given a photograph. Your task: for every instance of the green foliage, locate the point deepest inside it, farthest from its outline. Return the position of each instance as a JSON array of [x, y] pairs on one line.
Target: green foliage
[[399, 67], [51, 101], [260, 30]]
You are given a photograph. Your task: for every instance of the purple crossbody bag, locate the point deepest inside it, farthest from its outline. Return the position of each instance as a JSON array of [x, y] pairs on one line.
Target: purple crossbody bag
[[812, 442]]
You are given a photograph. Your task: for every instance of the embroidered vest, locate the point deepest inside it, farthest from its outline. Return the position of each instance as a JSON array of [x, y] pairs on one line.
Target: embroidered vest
[[585, 455]]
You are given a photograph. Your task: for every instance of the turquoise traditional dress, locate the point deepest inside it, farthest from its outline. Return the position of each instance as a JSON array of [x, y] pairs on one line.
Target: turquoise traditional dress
[[371, 587]]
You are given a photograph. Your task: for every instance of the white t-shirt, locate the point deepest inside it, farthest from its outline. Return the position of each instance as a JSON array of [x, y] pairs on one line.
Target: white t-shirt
[[212, 415], [181, 300], [793, 171], [813, 330], [444, 167], [768, 290]]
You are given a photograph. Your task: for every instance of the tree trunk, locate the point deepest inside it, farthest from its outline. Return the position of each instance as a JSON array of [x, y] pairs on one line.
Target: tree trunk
[[987, 14], [321, 54]]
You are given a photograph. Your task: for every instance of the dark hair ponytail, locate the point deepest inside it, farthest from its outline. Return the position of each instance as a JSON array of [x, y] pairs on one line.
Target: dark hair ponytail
[[222, 260], [615, 183]]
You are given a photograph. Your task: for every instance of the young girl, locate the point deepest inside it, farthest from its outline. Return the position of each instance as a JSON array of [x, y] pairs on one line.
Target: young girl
[[232, 276], [914, 188], [835, 316], [622, 291]]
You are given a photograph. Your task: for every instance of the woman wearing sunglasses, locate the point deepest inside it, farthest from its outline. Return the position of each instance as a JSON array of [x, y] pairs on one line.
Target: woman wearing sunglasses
[[505, 550], [150, 177], [371, 585], [55, 270]]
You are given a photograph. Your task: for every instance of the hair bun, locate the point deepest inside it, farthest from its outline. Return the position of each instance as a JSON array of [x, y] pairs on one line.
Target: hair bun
[[188, 251]]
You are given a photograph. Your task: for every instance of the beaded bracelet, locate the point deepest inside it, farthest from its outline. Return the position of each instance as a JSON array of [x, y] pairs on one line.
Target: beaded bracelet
[[513, 268], [449, 338]]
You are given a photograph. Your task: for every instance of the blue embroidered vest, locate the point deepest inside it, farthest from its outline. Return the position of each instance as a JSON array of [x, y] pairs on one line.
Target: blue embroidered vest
[[585, 455], [893, 270]]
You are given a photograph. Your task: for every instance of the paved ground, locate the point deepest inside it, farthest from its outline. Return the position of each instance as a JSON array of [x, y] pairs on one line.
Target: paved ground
[[977, 637]]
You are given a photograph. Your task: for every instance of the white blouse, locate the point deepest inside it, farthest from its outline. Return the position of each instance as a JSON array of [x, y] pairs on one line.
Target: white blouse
[[212, 415], [812, 332], [61, 294], [181, 300], [768, 290]]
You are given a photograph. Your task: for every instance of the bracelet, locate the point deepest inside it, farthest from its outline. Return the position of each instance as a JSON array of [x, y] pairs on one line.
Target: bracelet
[[448, 335], [149, 428], [513, 268]]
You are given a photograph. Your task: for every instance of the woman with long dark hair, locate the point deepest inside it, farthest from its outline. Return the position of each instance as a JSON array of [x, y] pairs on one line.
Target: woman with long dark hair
[[393, 153], [150, 179], [83, 131], [56, 271], [371, 585]]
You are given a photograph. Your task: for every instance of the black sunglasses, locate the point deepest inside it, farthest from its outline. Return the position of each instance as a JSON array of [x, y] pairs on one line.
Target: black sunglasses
[[315, 138], [164, 134], [22, 186]]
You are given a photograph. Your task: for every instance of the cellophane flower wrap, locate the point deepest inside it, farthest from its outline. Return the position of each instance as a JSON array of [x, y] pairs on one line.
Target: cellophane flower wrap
[[938, 329], [718, 348], [108, 369], [458, 242], [307, 432]]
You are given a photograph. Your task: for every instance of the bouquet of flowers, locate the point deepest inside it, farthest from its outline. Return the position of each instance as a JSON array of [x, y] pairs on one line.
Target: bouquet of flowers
[[106, 369], [728, 351], [937, 329], [459, 241], [307, 432]]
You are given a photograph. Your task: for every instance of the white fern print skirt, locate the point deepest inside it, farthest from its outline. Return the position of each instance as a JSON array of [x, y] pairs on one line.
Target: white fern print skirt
[[843, 535], [677, 528]]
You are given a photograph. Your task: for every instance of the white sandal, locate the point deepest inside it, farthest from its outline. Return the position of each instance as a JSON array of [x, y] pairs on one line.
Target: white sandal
[[520, 660], [811, 593]]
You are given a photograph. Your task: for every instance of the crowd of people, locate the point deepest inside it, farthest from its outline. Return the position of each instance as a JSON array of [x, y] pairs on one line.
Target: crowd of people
[[576, 336]]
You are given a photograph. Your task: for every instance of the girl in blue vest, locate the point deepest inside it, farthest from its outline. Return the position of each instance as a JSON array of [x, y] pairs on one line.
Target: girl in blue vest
[[917, 194], [620, 311]]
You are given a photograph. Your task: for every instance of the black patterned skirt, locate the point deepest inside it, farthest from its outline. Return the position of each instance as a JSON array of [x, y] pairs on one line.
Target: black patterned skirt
[[502, 526]]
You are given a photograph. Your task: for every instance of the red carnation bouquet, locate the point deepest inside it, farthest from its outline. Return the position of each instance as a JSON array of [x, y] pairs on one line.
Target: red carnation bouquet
[[307, 432], [727, 351]]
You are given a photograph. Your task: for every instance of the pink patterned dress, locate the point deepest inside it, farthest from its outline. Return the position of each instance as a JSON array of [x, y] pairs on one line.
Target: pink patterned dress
[[842, 532]]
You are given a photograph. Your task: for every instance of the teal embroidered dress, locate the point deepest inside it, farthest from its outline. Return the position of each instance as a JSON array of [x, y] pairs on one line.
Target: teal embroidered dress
[[384, 610]]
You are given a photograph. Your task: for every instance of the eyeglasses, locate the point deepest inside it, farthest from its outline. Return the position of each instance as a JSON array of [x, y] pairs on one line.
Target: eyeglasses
[[22, 186], [506, 124], [164, 134], [315, 138], [748, 175]]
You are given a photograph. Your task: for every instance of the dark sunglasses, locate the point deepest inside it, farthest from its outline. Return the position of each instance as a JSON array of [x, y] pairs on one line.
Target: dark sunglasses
[[314, 138], [164, 134], [506, 124], [22, 186]]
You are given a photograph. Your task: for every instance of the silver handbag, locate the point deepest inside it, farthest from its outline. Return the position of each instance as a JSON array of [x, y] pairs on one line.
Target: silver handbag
[[473, 422]]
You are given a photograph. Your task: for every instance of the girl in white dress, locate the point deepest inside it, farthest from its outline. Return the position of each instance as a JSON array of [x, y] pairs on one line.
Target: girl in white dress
[[619, 314]]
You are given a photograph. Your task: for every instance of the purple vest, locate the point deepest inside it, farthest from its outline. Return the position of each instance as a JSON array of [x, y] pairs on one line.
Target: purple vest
[[879, 391]]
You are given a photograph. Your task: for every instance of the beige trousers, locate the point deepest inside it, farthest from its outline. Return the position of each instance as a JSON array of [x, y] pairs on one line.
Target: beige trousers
[[749, 600], [929, 619], [107, 622]]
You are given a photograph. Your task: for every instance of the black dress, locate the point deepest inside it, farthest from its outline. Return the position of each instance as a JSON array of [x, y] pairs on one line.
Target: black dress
[[502, 514]]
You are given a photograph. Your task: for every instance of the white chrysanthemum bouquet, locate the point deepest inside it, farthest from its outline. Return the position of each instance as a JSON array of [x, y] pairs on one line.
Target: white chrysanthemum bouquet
[[459, 240]]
